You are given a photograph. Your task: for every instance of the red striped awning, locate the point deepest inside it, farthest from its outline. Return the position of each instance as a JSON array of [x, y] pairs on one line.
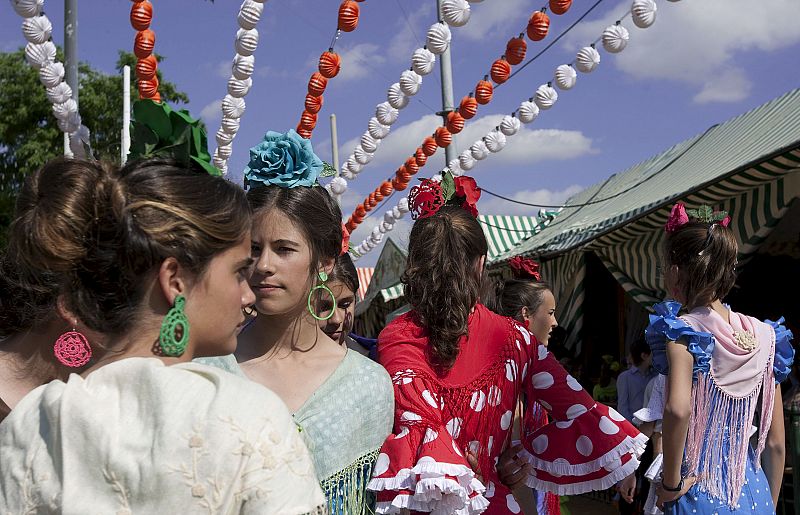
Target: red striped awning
[[364, 277]]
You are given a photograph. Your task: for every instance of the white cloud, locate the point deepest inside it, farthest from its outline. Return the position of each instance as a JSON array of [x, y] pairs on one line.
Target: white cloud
[[501, 20], [399, 234], [697, 43], [357, 61], [496, 206], [210, 114], [405, 41], [223, 69]]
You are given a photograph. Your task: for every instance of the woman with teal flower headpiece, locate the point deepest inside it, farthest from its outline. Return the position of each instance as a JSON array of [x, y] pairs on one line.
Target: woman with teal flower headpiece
[[342, 402]]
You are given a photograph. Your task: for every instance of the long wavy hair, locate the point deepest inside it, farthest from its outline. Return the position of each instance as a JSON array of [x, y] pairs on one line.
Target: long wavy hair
[[442, 280]]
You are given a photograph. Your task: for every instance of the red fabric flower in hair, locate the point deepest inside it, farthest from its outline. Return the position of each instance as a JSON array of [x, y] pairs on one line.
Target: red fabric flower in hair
[[677, 218], [468, 189], [524, 268], [345, 241], [725, 221], [425, 199]]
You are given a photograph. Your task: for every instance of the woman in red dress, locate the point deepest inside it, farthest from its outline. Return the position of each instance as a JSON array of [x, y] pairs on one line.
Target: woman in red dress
[[458, 371]]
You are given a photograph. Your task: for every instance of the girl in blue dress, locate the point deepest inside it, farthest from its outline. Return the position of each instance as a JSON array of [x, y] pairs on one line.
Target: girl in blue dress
[[722, 368]]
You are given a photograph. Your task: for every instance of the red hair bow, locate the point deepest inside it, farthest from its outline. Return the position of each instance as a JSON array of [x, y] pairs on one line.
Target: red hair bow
[[677, 218], [345, 241], [429, 196], [524, 268]]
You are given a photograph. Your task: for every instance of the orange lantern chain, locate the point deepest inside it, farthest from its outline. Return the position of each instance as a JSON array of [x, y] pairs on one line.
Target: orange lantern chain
[[317, 84], [313, 104], [429, 146], [329, 64], [455, 122], [501, 70], [538, 26], [560, 6], [143, 44], [516, 48], [411, 166], [443, 137], [348, 16], [484, 91], [420, 157], [468, 107], [386, 188]]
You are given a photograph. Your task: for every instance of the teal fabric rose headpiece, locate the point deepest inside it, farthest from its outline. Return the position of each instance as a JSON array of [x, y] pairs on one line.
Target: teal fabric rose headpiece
[[285, 160]]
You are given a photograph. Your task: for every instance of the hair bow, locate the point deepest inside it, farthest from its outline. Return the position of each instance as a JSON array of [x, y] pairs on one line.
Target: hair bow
[[524, 268]]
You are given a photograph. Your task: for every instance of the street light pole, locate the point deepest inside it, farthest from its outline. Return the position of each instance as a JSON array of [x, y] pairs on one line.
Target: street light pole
[[71, 55], [446, 71]]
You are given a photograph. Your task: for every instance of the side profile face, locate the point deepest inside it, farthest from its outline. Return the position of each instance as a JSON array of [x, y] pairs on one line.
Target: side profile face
[[341, 322], [282, 255], [542, 322], [214, 303]]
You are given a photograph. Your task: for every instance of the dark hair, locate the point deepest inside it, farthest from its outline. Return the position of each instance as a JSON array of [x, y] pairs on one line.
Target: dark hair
[[705, 256], [313, 210], [441, 282], [507, 298], [138, 216], [639, 347], [345, 272], [54, 209]]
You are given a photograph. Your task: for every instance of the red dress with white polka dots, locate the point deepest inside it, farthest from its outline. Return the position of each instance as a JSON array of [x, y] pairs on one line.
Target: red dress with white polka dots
[[440, 415]]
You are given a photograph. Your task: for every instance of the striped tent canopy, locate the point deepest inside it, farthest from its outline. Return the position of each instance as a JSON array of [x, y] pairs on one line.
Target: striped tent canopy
[[364, 278]]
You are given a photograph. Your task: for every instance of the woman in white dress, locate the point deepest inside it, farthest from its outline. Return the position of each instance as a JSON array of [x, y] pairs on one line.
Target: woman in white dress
[[161, 273]]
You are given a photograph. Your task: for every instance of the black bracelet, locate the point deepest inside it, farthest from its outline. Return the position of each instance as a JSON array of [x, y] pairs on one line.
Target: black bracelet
[[676, 489]]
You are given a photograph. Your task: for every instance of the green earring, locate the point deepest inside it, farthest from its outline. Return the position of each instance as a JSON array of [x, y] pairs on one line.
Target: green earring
[[322, 277], [174, 335]]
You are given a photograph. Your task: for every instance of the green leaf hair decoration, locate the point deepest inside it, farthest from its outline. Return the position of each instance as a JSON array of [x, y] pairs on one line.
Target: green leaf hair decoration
[[160, 131], [328, 170], [705, 214]]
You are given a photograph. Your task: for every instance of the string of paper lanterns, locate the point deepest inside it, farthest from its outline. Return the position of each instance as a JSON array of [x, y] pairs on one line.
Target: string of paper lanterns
[[330, 63], [240, 81], [40, 52], [537, 28], [614, 39], [143, 45]]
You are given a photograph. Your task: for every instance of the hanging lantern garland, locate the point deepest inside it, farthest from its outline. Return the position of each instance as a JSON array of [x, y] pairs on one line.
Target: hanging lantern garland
[[614, 40], [40, 52], [233, 105], [143, 45], [500, 71]]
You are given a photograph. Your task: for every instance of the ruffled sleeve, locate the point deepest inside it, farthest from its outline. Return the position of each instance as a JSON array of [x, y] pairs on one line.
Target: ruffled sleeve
[[784, 351], [587, 446], [420, 467], [665, 326]]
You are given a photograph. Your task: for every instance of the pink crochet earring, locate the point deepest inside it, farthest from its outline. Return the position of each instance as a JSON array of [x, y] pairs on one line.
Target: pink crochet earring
[[72, 349]]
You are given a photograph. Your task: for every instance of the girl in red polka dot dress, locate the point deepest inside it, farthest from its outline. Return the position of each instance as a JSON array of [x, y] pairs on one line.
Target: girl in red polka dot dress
[[458, 371]]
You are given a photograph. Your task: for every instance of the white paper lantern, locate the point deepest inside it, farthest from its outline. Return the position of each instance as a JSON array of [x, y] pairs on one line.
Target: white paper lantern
[[455, 167], [403, 205], [71, 123], [455, 12], [376, 129], [369, 143], [478, 150], [396, 97], [410, 82], [495, 141], [353, 165], [338, 185], [239, 88], [347, 174], [388, 217], [27, 8], [243, 66], [386, 114], [438, 38], [466, 161], [51, 74], [223, 137], [566, 76], [362, 156], [246, 41], [615, 39], [387, 227], [527, 111], [422, 61], [38, 55], [225, 151], [437, 178], [79, 140], [37, 29], [233, 107], [587, 59], [64, 109], [510, 125], [59, 94], [249, 14], [643, 13], [545, 97], [396, 213], [230, 125]]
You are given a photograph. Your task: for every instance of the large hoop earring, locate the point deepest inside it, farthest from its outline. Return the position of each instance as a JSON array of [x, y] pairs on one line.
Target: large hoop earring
[[322, 277], [174, 335]]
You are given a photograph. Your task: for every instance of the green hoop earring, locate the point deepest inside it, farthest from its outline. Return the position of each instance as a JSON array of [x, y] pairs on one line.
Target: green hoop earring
[[174, 335], [322, 277]]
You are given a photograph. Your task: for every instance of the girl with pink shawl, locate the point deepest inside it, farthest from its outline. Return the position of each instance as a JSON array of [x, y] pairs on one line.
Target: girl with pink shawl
[[722, 368]]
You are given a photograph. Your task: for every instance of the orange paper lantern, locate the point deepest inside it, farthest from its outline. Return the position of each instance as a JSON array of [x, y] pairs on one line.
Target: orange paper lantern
[[420, 157], [400, 185], [317, 84], [148, 88], [313, 104], [538, 26], [411, 166], [455, 122], [141, 15], [348, 16], [329, 64], [360, 211], [468, 107], [560, 6], [386, 188], [378, 195], [516, 48], [484, 91], [429, 146], [144, 43], [501, 70], [308, 120], [303, 132], [146, 68], [443, 137], [350, 226]]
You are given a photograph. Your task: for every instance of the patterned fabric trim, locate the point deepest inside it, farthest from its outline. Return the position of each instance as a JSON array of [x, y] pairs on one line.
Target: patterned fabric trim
[[346, 490]]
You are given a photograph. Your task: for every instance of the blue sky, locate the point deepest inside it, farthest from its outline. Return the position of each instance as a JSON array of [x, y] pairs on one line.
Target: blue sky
[[701, 63]]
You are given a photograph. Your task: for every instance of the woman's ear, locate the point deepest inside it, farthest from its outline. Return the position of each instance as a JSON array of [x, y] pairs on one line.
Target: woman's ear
[[524, 312], [327, 265], [65, 313], [172, 279]]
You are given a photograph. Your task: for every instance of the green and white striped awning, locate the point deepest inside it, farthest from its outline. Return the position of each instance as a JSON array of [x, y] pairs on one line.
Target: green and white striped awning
[[392, 292]]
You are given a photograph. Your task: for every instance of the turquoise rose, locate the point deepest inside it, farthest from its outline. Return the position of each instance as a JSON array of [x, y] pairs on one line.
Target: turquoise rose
[[285, 160]]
